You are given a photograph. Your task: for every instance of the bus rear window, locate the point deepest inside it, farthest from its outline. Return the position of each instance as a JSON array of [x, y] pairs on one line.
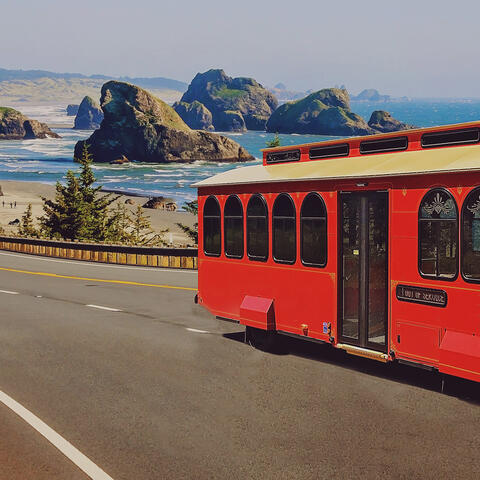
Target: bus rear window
[[384, 145], [452, 137], [329, 151], [288, 156]]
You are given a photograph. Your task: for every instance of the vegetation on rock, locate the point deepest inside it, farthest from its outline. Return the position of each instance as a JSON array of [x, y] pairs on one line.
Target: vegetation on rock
[[16, 126], [326, 112], [221, 95], [143, 128]]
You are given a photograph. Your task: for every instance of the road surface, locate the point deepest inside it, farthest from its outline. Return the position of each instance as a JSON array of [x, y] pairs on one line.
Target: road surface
[[120, 363]]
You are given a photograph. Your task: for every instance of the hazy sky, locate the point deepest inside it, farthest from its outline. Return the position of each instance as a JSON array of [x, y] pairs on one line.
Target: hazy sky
[[414, 48]]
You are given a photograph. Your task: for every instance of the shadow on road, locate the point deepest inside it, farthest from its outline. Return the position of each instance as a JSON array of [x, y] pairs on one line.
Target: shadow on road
[[463, 389]]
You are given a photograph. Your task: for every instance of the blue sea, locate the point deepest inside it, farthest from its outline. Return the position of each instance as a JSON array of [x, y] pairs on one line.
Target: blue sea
[[48, 160]]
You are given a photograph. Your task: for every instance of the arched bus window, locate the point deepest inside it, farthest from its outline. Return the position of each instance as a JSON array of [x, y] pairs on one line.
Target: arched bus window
[[257, 228], [233, 227], [211, 227], [438, 235], [284, 231], [471, 236], [313, 231]]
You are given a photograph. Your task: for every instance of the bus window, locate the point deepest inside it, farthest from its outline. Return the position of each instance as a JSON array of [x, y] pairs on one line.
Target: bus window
[[211, 227], [471, 236], [257, 228], [438, 235], [233, 227], [313, 231], [283, 232]]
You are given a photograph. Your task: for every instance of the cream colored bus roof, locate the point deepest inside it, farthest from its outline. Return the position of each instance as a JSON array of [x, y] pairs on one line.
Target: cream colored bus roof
[[417, 162]]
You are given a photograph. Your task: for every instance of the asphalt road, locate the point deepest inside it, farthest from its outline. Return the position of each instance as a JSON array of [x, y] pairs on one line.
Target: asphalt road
[[161, 390]]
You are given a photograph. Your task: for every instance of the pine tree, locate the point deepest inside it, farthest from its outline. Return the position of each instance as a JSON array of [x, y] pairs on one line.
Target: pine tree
[[274, 143], [118, 230], [26, 228], [192, 233], [142, 232], [79, 211]]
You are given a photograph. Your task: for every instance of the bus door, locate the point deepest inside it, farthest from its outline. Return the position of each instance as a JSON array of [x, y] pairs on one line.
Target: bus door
[[363, 260]]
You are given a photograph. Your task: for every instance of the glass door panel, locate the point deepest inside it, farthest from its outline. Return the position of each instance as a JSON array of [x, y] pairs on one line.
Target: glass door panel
[[364, 262], [377, 270], [351, 268]]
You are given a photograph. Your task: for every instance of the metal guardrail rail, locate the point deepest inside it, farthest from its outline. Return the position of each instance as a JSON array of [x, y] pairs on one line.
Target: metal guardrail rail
[[104, 253]]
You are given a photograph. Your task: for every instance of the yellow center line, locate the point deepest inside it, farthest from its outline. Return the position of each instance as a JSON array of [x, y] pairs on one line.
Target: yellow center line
[[121, 282]]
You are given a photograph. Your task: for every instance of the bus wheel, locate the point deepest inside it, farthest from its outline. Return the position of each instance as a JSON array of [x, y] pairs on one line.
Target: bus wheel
[[264, 340]]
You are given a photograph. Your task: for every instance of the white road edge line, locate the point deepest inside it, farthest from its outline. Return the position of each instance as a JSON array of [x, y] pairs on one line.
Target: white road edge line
[[101, 307], [91, 264], [72, 453], [9, 292], [195, 330]]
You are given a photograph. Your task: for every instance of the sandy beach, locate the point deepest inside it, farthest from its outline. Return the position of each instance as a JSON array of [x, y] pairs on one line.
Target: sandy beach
[[23, 193]]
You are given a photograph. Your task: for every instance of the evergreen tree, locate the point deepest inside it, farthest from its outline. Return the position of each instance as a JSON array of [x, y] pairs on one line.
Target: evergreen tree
[[192, 233], [142, 232], [26, 228], [118, 225], [274, 143], [79, 211]]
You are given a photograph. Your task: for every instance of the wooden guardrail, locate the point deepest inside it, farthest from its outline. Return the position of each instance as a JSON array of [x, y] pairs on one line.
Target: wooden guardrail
[[99, 252]]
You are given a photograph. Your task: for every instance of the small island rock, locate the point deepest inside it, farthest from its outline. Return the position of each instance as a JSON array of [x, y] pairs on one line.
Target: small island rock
[[72, 110], [16, 126], [195, 115], [385, 123], [145, 129], [120, 161], [326, 112], [370, 95], [89, 115], [236, 104]]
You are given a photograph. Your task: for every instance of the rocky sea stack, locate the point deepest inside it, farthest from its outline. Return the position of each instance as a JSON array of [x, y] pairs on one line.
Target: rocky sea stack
[[16, 126], [235, 104], [89, 115], [140, 127], [72, 109], [383, 122], [326, 112]]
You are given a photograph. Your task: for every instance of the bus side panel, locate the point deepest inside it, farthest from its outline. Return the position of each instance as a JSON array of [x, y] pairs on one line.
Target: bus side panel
[[304, 297], [416, 328], [224, 285]]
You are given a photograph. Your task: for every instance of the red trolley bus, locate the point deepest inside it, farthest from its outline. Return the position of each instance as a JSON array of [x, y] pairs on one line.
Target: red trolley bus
[[371, 244]]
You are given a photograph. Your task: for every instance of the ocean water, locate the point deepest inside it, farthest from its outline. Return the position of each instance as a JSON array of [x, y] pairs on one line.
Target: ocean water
[[48, 160]]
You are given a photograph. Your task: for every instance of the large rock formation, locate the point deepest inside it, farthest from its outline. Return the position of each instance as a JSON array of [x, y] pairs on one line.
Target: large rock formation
[[326, 112], [195, 115], [89, 115], [236, 104], [143, 128], [16, 126], [383, 122]]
